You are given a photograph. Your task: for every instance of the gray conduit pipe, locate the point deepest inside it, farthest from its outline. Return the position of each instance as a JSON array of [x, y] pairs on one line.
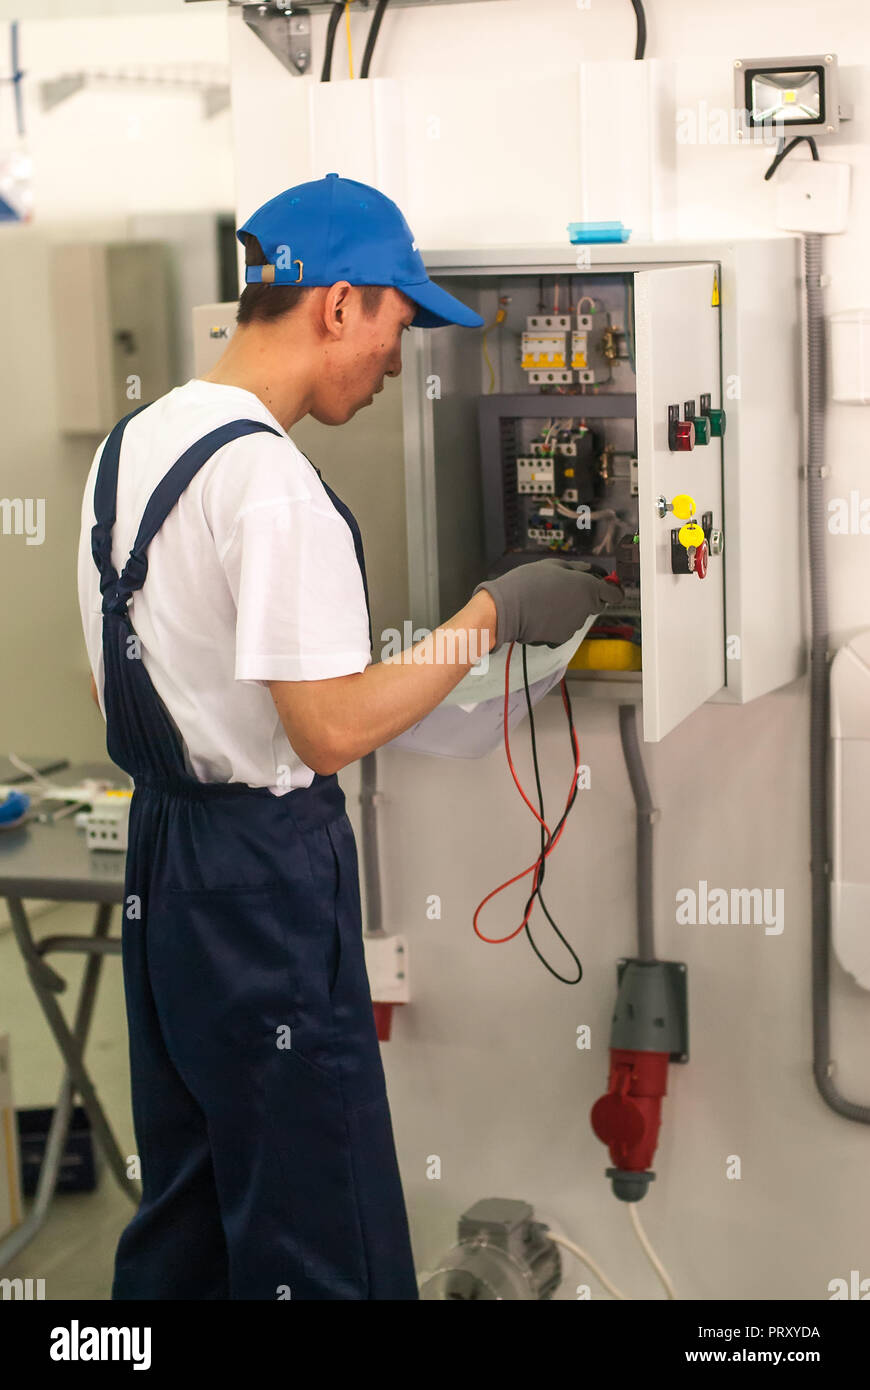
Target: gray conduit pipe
[[646, 816], [823, 1065]]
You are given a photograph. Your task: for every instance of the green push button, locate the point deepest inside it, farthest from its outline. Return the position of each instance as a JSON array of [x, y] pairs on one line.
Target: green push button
[[702, 429], [717, 422]]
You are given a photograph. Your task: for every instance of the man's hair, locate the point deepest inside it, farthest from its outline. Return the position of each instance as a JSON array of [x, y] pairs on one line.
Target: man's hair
[[262, 303]]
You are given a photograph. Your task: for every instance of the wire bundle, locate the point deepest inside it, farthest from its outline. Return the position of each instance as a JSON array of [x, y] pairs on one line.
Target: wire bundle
[[343, 7], [549, 839]]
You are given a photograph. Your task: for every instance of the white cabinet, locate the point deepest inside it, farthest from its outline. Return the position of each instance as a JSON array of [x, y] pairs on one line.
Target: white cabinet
[[113, 335]]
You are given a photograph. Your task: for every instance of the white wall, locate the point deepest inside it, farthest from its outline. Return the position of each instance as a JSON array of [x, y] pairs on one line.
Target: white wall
[[483, 1069]]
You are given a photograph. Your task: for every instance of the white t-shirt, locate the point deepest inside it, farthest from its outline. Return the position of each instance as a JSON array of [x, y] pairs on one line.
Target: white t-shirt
[[252, 577]]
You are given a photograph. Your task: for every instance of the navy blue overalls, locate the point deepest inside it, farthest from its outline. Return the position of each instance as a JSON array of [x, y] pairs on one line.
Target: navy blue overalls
[[267, 1155]]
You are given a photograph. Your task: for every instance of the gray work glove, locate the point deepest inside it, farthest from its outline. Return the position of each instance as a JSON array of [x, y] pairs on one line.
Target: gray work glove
[[547, 601]]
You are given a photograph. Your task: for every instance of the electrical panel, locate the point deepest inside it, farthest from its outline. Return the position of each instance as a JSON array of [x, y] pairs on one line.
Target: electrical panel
[[112, 331], [625, 410]]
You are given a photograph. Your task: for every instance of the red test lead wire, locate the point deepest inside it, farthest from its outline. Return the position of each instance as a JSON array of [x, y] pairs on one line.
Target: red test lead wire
[[552, 840]]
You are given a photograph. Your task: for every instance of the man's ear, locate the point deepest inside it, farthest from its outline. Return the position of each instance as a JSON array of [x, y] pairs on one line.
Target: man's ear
[[335, 306]]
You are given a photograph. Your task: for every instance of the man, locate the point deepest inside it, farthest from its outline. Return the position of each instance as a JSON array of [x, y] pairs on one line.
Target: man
[[232, 659]]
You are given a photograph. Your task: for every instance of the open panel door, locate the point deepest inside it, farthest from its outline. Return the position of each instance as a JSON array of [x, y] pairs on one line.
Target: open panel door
[[682, 616]]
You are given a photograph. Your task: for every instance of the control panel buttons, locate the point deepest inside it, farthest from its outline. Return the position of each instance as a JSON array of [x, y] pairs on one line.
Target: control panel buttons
[[683, 436], [714, 415], [702, 429], [701, 423]]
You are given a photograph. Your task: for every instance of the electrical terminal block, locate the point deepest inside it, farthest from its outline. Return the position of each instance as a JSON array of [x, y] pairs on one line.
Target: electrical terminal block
[[548, 323], [554, 378], [106, 824], [536, 475], [546, 535]]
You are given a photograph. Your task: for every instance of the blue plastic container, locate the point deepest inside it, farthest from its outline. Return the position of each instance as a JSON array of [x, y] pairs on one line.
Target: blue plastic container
[[586, 232]]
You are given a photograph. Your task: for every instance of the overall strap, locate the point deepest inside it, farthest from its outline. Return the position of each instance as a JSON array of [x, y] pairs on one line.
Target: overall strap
[[349, 517], [116, 590], [105, 501]]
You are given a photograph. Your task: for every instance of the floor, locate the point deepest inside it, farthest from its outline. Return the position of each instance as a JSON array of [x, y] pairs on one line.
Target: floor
[[75, 1249]]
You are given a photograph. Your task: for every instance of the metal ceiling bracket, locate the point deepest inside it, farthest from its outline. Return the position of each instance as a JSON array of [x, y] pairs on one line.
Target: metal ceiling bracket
[[288, 36], [56, 90]]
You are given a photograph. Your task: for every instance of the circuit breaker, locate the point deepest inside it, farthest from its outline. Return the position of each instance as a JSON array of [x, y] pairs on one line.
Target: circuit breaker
[[636, 408]]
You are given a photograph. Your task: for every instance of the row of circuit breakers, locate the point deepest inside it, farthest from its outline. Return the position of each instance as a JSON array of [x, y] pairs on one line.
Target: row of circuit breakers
[[564, 468]]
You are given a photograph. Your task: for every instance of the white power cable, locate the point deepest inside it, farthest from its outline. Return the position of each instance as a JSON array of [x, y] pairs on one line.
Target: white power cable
[[649, 1252], [586, 1260], [48, 788]]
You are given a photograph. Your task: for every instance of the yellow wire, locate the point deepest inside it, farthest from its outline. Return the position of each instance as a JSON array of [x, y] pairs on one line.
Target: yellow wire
[[499, 318], [349, 45]]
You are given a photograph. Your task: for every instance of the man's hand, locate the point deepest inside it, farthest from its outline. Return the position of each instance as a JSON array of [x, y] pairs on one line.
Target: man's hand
[[547, 600], [95, 695]]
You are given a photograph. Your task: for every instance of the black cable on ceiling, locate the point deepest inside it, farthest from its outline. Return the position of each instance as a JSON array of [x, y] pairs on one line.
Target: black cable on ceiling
[[640, 48], [372, 38], [334, 17]]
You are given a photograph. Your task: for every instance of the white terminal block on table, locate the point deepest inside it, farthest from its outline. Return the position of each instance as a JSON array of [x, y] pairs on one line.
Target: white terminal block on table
[[106, 824]]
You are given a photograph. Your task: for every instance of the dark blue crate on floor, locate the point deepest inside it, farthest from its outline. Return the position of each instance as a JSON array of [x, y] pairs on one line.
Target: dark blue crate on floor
[[78, 1168]]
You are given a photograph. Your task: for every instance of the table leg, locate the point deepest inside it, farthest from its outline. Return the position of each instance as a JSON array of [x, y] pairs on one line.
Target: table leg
[[46, 983]]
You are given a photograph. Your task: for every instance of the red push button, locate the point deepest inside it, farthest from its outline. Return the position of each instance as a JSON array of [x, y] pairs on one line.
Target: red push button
[[684, 435]]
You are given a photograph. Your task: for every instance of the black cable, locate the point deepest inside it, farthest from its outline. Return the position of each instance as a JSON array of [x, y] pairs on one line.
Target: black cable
[[334, 17], [784, 150], [640, 48], [536, 892], [372, 37]]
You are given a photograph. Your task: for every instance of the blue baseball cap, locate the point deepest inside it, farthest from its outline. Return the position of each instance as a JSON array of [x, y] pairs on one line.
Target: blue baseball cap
[[337, 229]]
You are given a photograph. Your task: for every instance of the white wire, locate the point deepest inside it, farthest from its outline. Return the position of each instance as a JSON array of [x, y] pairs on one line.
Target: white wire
[[49, 788], [586, 1260], [649, 1252]]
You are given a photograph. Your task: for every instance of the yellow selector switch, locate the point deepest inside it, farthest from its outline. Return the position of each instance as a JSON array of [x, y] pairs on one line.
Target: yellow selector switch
[[690, 534], [683, 506]]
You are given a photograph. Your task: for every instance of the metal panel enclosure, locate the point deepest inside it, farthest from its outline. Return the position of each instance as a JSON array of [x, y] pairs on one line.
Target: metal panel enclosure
[[683, 617]]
